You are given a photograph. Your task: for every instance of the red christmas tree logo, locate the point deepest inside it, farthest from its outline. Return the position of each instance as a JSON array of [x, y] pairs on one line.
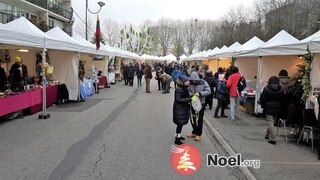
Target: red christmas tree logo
[[185, 159]]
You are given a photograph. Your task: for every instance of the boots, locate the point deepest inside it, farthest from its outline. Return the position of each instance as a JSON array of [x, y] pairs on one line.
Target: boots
[[216, 115], [178, 141], [223, 115]]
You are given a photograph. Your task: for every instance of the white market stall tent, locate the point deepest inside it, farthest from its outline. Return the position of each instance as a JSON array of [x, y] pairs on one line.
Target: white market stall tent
[[272, 57], [248, 66], [313, 42]]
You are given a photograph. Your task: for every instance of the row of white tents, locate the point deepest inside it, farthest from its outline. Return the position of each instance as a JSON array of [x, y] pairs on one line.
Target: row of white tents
[[64, 51], [258, 60]]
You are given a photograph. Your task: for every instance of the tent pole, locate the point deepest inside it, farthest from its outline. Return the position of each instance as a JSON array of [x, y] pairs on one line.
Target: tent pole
[[44, 114], [258, 90]]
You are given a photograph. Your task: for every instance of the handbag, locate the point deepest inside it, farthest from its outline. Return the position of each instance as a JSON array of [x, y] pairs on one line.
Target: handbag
[[196, 104]]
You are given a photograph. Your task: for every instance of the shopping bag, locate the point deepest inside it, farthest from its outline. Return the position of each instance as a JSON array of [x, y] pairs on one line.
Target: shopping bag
[[196, 104]]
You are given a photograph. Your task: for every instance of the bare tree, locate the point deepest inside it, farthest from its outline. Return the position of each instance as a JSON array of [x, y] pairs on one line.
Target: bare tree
[[178, 38], [112, 32], [191, 32], [312, 7], [165, 29], [80, 28]]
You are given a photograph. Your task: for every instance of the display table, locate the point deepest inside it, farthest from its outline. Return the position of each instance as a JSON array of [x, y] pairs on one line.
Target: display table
[[103, 81], [20, 101], [86, 88], [52, 97]]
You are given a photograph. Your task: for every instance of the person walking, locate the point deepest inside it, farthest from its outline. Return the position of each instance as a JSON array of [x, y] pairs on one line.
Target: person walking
[[166, 80], [181, 106], [222, 97], [211, 81], [232, 84], [139, 72], [200, 88], [125, 74], [148, 77], [131, 71], [272, 102]]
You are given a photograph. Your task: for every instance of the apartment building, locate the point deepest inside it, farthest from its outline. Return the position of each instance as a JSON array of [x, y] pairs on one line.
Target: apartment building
[[45, 14]]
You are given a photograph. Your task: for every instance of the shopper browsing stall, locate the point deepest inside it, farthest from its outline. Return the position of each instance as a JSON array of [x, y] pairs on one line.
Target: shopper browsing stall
[[16, 75], [272, 102], [3, 78]]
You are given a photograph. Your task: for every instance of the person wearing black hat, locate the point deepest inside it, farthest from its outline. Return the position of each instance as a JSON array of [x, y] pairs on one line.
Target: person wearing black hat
[[272, 102], [212, 82], [181, 106]]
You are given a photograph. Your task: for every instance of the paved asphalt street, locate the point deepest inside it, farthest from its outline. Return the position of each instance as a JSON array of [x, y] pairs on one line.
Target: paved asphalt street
[[120, 133]]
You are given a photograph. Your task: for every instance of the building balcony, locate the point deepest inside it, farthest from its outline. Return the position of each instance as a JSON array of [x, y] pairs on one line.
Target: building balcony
[[56, 8], [7, 16]]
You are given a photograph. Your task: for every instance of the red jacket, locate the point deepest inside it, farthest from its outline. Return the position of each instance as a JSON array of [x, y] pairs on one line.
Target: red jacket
[[232, 84]]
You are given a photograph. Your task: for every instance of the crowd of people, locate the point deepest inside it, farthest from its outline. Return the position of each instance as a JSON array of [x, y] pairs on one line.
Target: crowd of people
[[199, 84]]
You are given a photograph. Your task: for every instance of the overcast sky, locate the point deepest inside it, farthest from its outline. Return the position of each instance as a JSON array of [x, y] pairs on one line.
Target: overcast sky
[[136, 11]]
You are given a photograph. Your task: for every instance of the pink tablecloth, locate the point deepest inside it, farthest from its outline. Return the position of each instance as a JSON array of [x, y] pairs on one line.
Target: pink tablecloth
[[20, 101], [52, 97], [103, 81]]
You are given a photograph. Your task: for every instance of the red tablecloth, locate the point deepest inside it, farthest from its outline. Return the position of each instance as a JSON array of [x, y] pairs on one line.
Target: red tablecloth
[[103, 81], [20, 101], [52, 97]]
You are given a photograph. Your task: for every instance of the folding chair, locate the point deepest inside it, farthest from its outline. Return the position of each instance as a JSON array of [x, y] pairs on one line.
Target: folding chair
[[310, 125]]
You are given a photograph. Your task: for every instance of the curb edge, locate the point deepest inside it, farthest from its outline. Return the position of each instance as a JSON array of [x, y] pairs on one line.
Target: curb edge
[[247, 173]]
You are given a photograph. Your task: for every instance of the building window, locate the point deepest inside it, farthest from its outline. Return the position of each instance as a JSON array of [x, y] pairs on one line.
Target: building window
[[51, 24]]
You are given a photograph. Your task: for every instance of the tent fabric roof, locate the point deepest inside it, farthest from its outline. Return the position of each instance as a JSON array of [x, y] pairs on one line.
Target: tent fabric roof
[[313, 37], [65, 42], [281, 44], [24, 33], [282, 38], [252, 44]]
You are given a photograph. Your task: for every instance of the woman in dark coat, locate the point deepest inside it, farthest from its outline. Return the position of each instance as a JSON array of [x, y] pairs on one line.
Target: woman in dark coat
[[181, 106], [272, 102]]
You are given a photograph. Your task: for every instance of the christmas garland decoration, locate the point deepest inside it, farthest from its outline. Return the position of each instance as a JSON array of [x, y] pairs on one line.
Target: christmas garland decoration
[[306, 81]]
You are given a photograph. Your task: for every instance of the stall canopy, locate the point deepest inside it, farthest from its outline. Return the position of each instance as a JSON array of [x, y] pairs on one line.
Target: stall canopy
[[281, 44], [313, 41], [229, 52], [86, 46], [170, 58], [21, 32], [250, 45], [65, 41], [182, 57], [26, 27], [212, 52]]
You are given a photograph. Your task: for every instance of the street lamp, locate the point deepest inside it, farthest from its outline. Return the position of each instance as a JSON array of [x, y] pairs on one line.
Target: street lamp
[[101, 4]]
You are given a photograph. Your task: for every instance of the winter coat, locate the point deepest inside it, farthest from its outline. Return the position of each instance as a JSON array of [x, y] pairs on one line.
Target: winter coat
[[232, 84], [272, 100], [168, 70], [181, 106], [202, 87], [211, 81], [284, 82], [139, 72], [125, 72], [221, 90], [131, 71], [165, 77], [148, 72], [3, 79]]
